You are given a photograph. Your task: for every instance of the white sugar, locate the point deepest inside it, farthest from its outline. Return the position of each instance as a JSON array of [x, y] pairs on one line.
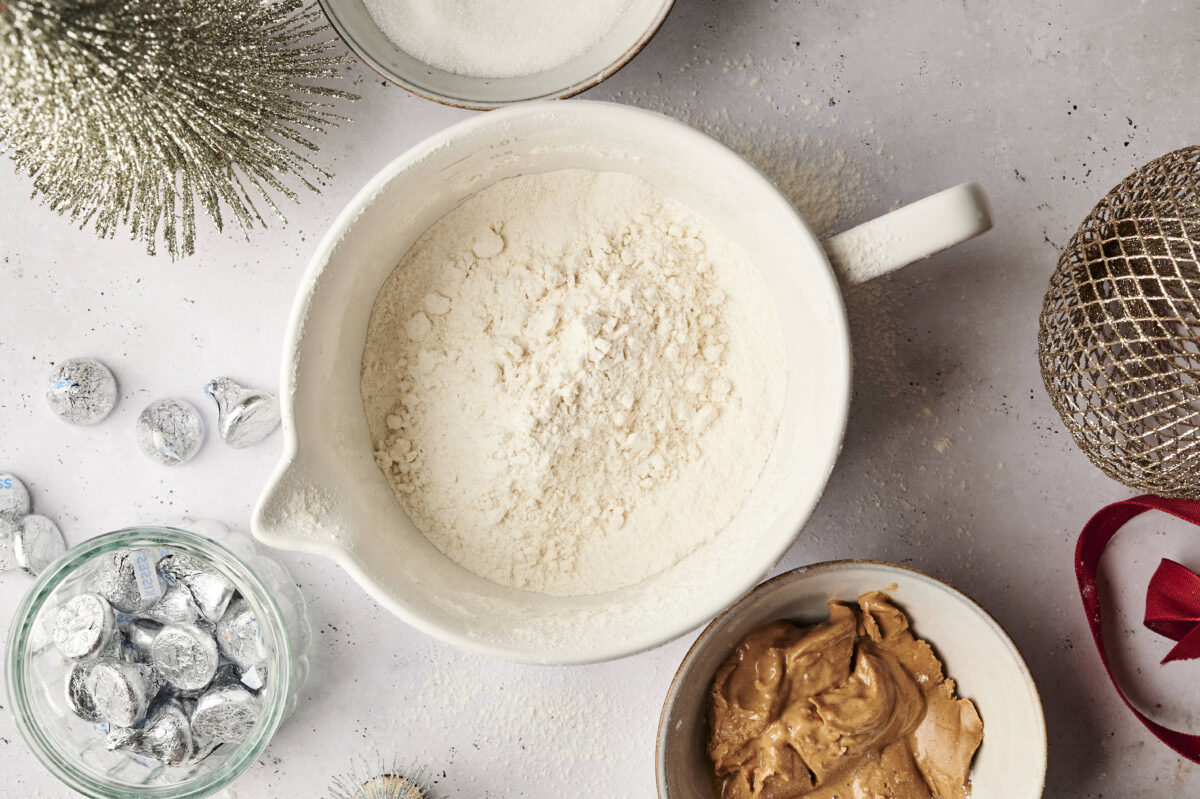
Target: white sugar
[[496, 38]]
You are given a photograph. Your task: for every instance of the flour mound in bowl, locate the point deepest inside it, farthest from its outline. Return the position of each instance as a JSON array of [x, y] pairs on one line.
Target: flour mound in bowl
[[572, 381]]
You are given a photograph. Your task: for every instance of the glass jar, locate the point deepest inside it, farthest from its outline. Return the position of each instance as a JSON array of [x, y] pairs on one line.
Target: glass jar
[[74, 749]]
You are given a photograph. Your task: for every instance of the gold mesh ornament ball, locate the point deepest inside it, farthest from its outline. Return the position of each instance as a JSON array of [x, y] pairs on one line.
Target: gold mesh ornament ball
[[1119, 339]]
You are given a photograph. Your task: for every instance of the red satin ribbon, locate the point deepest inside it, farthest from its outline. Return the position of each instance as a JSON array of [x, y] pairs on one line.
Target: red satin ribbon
[[1173, 608], [1172, 599]]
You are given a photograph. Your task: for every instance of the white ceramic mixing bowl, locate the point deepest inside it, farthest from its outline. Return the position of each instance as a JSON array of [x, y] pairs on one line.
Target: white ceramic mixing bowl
[[633, 31], [328, 496]]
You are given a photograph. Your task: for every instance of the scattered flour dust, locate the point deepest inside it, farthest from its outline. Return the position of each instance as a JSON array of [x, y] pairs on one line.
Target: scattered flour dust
[[554, 715], [572, 381], [496, 38]]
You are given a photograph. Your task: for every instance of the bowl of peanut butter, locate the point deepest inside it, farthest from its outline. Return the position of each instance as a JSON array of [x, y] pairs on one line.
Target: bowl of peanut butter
[[852, 679]]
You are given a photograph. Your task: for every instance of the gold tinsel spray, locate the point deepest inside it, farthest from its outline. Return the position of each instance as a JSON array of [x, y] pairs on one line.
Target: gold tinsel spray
[[130, 113]]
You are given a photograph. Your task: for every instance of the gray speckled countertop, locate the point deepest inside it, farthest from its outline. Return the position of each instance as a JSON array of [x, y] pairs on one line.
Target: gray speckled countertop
[[954, 461]]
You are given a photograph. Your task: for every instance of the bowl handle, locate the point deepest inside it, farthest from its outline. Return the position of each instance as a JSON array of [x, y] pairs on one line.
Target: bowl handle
[[909, 234]]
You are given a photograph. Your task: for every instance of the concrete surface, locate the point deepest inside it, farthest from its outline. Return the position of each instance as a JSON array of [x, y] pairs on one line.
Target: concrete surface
[[954, 462]]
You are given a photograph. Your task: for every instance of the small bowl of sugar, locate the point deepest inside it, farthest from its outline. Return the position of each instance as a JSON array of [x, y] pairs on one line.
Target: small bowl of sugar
[[483, 54]]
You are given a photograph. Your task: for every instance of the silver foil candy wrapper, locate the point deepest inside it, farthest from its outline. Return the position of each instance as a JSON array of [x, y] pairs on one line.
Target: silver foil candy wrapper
[[37, 543], [185, 656], [210, 590], [165, 736], [177, 607], [79, 696], [81, 391], [137, 636], [8, 539], [41, 636], [128, 579], [83, 626], [15, 503], [239, 636], [144, 658], [120, 691], [170, 431], [226, 713], [120, 649], [244, 416]]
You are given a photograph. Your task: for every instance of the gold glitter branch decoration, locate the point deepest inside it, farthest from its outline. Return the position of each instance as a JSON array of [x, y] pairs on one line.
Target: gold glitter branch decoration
[[129, 113]]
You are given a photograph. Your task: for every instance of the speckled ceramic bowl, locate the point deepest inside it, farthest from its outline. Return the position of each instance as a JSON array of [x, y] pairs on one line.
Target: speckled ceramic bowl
[[978, 655], [632, 32]]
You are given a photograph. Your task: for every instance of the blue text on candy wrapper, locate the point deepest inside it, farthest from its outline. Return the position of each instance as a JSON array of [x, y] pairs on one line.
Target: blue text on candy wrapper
[[6, 482], [147, 576]]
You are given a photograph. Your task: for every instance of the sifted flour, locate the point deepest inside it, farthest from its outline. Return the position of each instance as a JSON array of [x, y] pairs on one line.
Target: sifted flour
[[572, 381]]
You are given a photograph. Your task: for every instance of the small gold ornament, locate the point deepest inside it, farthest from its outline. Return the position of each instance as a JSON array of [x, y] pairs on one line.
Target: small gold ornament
[[130, 113], [1119, 340]]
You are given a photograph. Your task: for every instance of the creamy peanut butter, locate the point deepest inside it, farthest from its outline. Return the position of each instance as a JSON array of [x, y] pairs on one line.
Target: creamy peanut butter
[[852, 708]]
